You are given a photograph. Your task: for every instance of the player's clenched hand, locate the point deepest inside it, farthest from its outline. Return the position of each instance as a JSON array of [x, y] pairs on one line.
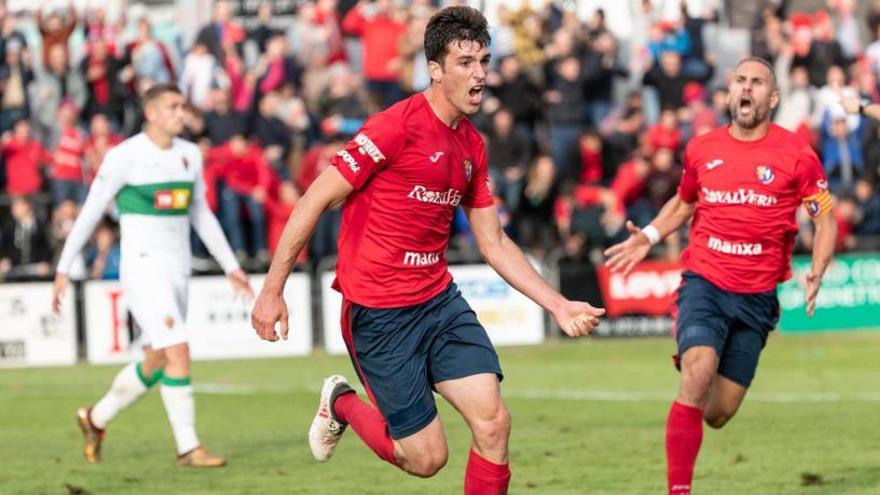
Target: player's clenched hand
[[577, 318], [851, 105], [269, 309], [58, 291], [240, 284], [812, 283], [624, 256]]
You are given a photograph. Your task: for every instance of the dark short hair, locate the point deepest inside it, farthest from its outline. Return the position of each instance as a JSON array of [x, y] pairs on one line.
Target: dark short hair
[[454, 25], [762, 61], [158, 90]]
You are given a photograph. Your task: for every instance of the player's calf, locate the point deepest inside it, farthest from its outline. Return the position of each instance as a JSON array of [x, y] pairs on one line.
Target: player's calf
[[491, 433]]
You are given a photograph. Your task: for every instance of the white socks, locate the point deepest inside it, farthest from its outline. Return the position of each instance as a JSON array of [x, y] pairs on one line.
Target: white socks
[[177, 394], [129, 385]]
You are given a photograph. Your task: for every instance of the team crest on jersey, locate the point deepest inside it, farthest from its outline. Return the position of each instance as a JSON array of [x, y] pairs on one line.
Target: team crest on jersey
[[468, 168], [765, 174]]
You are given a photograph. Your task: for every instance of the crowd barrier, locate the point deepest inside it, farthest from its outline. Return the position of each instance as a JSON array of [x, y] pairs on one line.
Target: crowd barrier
[[95, 325]]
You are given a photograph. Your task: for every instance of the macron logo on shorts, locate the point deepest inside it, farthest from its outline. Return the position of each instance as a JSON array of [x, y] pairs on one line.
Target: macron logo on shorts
[[366, 146]]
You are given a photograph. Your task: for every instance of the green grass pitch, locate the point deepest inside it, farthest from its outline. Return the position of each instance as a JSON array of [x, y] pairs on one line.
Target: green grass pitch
[[588, 418]]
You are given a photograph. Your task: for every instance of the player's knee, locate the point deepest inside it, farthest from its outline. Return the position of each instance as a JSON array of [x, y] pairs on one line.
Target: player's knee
[[177, 359], [697, 372], [427, 463], [493, 431]]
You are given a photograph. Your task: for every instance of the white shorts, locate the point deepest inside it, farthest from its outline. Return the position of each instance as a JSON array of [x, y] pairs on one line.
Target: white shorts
[[157, 300]]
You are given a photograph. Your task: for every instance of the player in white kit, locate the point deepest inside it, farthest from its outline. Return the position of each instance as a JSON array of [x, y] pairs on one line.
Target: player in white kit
[[156, 180]]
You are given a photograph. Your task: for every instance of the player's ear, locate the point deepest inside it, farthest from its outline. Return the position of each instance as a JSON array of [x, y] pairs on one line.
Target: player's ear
[[774, 99], [435, 70]]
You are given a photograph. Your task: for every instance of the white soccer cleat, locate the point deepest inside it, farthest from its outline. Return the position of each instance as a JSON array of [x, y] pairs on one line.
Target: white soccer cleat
[[326, 430]]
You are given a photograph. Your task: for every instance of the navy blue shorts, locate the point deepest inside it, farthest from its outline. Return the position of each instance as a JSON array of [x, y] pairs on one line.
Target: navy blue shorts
[[735, 325], [400, 353]]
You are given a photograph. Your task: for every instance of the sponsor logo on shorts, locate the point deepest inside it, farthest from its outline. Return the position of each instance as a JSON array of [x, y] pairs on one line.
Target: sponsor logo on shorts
[[171, 199], [736, 248], [765, 174], [739, 197], [420, 259], [349, 160], [450, 197], [366, 146]]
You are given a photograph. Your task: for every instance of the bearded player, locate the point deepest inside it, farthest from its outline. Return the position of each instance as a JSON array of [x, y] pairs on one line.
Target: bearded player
[[742, 185], [407, 327], [156, 181]]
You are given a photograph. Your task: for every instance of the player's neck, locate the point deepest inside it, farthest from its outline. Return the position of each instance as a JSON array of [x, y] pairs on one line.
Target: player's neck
[[442, 108], [160, 139], [755, 134]]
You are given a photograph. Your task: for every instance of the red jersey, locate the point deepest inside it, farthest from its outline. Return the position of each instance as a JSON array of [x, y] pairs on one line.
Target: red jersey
[[747, 194], [68, 163], [409, 171], [23, 160]]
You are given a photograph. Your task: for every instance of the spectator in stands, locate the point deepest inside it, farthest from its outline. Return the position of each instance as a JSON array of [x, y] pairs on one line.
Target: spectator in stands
[[622, 141], [147, 57], [534, 227], [263, 31], [63, 218], [316, 160], [272, 134], [101, 138], [825, 50], [696, 117], [669, 80], [103, 255], [413, 72], [842, 151], [847, 28], [9, 33], [380, 27], [246, 177], [869, 204], [341, 103], [23, 156], [600, 68], [275, 67], [24, 248], [509, 154], [565, 114], [517, 92], [105, 91], [222, 121], [15, 77], [220, 30], [56, 83], [67, 158], [55, 31], [665, 133], [796, 96], [98, 28], [199, 74]]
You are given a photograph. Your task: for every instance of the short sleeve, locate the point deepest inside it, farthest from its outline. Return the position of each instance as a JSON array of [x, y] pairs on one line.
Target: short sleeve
[[372, 148], [688, 187], [479, 194], [812, 184]]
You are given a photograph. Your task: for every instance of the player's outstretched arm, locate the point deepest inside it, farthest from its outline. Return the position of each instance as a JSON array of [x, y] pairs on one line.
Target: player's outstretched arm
[[624, 256], [824, 239], [328, 189], [575, 318], [106, 185]]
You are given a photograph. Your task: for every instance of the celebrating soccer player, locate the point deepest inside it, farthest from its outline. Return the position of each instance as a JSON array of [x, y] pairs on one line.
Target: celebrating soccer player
[[156, 180], [407, 328], [742, 185]]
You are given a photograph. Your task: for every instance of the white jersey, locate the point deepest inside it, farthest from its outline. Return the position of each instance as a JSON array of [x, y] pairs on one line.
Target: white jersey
[[158, 193]]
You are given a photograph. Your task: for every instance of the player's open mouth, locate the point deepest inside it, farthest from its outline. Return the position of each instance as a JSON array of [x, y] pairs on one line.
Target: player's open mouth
[[475, 94], [745, 106]]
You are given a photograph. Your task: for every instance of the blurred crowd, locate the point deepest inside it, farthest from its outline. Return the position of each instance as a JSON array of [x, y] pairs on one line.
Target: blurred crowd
[[583, 130]]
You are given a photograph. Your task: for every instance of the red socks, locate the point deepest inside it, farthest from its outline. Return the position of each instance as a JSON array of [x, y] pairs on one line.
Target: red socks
[[367, 423], [484, 477], [684, 434]]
